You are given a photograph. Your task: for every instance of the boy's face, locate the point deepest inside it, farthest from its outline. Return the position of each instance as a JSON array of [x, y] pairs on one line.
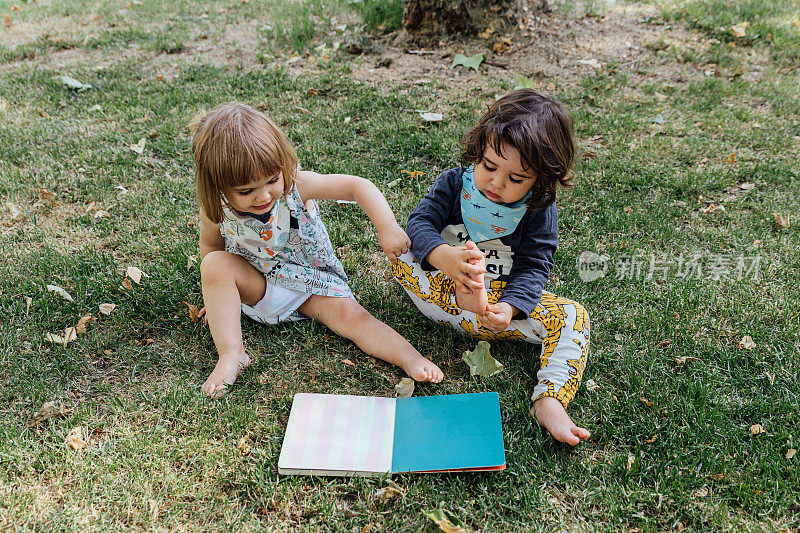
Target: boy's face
[[502, 178], [256, 197]]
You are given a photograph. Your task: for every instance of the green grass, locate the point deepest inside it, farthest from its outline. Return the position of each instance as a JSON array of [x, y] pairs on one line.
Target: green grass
[[161, 456]]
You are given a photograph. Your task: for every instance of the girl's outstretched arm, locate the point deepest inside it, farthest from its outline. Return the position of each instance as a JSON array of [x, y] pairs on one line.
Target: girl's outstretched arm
[[314, 186]]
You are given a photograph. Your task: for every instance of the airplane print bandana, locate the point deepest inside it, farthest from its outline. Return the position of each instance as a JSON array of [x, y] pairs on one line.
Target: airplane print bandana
[[484, 219]]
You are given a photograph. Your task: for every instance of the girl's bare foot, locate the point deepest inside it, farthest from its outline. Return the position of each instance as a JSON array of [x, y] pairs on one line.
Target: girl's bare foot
[[418, 368], [475, 300], [224, 374], [554, 418]]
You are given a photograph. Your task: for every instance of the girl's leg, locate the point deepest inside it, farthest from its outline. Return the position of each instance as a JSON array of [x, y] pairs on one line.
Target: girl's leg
[[346, 317], [228, 281]]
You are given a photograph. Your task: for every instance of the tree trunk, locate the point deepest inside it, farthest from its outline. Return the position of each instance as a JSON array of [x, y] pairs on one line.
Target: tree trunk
[[435, 18]]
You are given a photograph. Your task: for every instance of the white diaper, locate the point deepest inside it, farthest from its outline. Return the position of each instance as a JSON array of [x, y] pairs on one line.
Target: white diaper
[[279, 304]]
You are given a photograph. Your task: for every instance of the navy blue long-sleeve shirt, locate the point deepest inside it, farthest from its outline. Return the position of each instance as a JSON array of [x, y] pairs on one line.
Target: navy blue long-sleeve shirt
[[523, 258]]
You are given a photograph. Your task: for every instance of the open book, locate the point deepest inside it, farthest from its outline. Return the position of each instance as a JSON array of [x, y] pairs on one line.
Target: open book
[[340, 435]]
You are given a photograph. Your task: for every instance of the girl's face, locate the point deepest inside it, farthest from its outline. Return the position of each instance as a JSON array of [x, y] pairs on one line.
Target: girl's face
[[502, 178], [256, 197]]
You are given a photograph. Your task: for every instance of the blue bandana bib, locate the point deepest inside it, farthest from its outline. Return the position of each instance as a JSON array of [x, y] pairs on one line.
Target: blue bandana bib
[[484, 219]]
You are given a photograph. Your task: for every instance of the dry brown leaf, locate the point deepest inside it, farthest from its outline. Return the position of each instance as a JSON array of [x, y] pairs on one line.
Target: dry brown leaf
[[756, 429], [790, 453], [75, 438], [46, 411], [732, 158], [747, 343], [70, 334], [193, 312], [645, 401], [47, 195], [135, 274], [146, 342], [28, 302], [739, 30], [126, 284], [348, 362], [244, 445], [107, 309], [683, 359], [651, 440], [387, 493], [15, 7], [83, 322], [780, 220]]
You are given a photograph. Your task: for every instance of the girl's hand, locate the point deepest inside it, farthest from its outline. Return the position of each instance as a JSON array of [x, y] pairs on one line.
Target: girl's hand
[[498, 316], [456, 262], [394, 241]]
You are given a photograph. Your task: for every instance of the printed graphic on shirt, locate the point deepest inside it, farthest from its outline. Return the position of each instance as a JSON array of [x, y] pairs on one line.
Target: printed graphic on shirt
[[499, 257]]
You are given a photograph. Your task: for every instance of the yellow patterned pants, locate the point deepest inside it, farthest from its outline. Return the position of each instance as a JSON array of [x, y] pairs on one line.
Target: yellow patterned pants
[[560, 325]]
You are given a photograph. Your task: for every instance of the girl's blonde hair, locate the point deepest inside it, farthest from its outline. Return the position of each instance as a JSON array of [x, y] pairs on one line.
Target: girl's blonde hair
[[233, 145]]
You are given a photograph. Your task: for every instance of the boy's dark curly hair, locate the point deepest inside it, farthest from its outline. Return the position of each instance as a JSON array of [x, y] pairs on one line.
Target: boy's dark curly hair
[[540, 128]]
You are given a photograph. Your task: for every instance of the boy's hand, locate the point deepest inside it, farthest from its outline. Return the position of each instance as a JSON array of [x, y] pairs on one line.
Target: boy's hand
[[498, 316], [394, 241], [455, 263]]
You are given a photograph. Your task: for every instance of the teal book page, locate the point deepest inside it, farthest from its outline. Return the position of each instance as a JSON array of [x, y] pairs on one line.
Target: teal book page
[[448, 432]]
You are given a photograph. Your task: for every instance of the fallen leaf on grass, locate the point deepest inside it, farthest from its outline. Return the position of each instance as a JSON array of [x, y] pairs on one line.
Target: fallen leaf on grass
[[126, 284], [83, 322], [58, 290], [631, 460], [480, 362], [244, 446], [780, 220], [70, 334], [790, 453], [15, 7], [739, 30], [447, 521], [47, 195], [387, 493], [28, 302], [524, 83], [756, 429], [591, 385], [651, 440], [472, 62], [348, 362], [75, 438], [405, 388], [193, 312], [645, 401], [732, 158], [74, 84], [431, 117], [107, 309], [139, 146], [47, 411], [747, 343], [683, 359], [13, 210], [135, 274]]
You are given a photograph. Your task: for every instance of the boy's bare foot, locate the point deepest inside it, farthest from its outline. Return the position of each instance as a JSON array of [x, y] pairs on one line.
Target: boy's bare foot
[[224, 374], [554, 418], [475, 300], [418, 368]]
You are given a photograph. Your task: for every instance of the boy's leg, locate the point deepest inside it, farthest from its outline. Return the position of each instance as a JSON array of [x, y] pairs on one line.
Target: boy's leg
[[228, 281], [346, 317], [564, 326]]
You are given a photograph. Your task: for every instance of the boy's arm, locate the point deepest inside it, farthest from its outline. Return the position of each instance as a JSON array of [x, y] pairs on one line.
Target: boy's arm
[[393, 239], [210, 237]]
